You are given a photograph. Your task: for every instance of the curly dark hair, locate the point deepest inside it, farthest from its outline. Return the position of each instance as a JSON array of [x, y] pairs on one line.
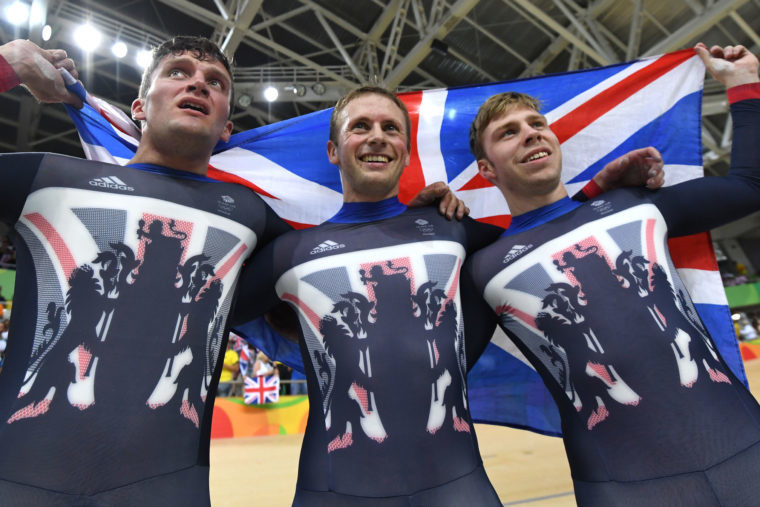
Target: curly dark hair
[[200, 47]]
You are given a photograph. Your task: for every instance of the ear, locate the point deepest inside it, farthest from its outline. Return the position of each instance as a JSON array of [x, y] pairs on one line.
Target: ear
[[138, 109], [332, 152], [227, 132], [487, 171]]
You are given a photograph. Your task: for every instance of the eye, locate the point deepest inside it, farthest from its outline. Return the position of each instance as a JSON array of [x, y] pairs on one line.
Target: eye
[[539, 124], [392, 127], [216, 83], [360, 125], [176, 73], [508, 132]]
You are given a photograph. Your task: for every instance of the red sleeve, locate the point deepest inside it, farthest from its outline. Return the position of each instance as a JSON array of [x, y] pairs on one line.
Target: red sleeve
[[8, 77], [589, 191], [743, 92]]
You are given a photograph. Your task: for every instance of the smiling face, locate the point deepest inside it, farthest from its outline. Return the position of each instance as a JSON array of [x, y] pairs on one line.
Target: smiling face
[[187, 103], [522, 158], [370, 148]]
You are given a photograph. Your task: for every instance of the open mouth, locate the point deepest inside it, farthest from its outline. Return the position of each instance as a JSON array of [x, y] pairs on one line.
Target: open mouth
[[536, 156], [375, 158], [193, 106]]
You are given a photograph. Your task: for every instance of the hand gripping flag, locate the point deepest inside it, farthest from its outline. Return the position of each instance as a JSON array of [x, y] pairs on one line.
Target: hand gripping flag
[[597, 114], [262, 389]]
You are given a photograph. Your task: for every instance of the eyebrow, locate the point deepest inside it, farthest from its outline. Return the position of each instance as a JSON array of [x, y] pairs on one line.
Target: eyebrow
[[215, 72]]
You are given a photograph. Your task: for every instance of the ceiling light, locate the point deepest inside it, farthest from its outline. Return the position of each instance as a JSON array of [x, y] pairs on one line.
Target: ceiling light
[[119, 49], [318, 88], [298, 89], [17, 13], [36, 14], [47, 31], [244, 100], [87, 37], [271, 93], [143, 58]]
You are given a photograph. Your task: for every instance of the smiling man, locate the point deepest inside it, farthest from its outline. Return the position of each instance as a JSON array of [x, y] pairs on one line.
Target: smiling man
[[651, 414], [377, 296], [376, 291]]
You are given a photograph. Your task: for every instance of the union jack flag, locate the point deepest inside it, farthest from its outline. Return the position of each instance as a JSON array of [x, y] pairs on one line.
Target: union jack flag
[[598, 115], [240, 346], [245, 358], [262, 389]]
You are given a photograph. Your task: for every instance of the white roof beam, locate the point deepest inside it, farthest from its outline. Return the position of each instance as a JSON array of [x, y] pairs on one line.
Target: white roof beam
[[608, 55], [334, 38], [695, 27], [422, 48], [204, 15], [243, 19], [752, 34], [539, 14], [634, 34]]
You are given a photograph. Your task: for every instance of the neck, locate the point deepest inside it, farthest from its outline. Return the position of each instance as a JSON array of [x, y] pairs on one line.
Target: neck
[[523, 203], [368, 211], [180, 158], [349, 196]]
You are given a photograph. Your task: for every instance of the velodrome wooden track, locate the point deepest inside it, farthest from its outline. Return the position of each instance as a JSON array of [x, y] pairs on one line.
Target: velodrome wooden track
[[525, 468]]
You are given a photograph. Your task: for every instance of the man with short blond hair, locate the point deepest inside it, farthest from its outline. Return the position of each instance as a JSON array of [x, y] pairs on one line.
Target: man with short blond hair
[[651, 414]]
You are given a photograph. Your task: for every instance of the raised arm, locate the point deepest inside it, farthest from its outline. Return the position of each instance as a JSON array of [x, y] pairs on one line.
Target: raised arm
[[23, 62], [702, 204]]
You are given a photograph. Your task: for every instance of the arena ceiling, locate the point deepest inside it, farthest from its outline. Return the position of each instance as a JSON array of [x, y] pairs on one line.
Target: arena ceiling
[[315, 50]]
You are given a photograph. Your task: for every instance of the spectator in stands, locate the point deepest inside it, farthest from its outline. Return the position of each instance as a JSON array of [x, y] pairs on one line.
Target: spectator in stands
[[297, 383], [285, 372], [747, 331], [264, 366], [230, 370]]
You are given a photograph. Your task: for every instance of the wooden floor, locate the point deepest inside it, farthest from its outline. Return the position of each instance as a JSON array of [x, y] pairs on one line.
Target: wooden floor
[[525, 468]]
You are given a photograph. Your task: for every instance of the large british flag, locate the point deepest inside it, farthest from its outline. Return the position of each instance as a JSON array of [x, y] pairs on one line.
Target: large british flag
[[598, 115]]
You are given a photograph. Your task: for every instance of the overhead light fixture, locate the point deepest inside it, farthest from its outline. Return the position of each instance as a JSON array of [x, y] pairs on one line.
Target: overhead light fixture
[[143, 58], [244, 100], [87, 37], [119, 49], [298, 89], [271, 94], [318, 88], [47, 32], [17, 13]]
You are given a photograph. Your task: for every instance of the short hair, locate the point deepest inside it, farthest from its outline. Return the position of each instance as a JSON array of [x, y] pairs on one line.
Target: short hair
[[368, 90], [200, 48], [495, 106]]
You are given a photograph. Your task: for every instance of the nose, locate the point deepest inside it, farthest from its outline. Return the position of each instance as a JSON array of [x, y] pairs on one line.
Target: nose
[[532, 134], [198, 84], [376, 134]]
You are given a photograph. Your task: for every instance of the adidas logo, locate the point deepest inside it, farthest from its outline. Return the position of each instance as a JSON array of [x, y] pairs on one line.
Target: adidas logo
[[516, 251], [598, 203], [326, 246], [111, 182], [227, 199], [420, 221]]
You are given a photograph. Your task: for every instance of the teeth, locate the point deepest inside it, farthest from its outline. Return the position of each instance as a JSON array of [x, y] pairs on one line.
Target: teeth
[[538, 155], [194, 107], [375, 158]]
